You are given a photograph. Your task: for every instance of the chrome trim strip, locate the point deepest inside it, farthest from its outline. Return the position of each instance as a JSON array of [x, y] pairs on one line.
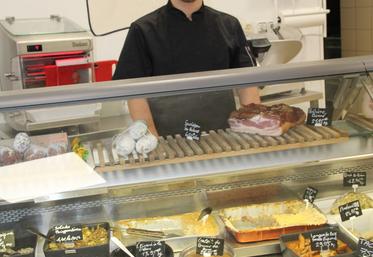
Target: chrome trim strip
[[184, 83]]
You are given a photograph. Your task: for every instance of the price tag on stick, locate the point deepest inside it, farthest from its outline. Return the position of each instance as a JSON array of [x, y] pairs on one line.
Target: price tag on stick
[[365, 248], [192, 130], [349, 210], [354, 178], [208, 246], [150, 249], [7, 240], [324, 240], [68, 233], [310, 194], [318, 117]]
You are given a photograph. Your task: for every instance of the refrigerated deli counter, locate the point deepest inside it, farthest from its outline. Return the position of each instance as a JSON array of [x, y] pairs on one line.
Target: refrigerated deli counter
[[246, 189]]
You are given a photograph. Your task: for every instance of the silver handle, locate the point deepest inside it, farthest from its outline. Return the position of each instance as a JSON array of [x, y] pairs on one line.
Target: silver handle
[[11, 76]]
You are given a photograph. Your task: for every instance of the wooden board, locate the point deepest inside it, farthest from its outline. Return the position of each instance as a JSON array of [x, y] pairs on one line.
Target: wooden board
[[215, 144], [361, 121]]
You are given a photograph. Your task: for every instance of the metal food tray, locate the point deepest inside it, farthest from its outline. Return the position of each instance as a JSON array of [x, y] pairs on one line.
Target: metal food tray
[[101, 250], [286, 252], [214, 144], [181, 231], [253, 223]]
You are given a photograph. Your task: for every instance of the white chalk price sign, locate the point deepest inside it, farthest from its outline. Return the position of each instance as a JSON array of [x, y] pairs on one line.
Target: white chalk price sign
[[354, 178], [192, 130], [310, 194], [7, 240], [208, 246], [349, 210], [324, 240], [68, 233], [365, 248], [318, 117], [150, 249]]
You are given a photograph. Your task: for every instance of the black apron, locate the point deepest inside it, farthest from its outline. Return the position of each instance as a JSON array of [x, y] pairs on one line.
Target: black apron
[[210, 110]]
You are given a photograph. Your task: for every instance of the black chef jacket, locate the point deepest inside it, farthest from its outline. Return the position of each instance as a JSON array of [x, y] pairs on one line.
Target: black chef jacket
[[166, 42]]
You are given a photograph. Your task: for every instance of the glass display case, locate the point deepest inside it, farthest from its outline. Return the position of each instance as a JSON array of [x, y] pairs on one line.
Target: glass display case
[[180, 173]]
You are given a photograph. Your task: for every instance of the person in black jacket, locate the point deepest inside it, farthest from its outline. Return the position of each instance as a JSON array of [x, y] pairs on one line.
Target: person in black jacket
[[181, 37]]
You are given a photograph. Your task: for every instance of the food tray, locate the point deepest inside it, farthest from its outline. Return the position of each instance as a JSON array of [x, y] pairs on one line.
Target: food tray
[[269, 221], [361, 226], [24, 240], [286, 252], [98, 250], [180, 231], [62, 113], [364, 199], [132, 248], [191, 251], [214, 144]]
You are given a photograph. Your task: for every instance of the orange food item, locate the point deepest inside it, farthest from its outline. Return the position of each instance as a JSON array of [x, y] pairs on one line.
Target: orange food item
[[302, 248]]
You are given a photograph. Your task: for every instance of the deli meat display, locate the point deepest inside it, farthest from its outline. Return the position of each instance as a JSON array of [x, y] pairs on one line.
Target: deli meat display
[[265, 120], [241, 187]]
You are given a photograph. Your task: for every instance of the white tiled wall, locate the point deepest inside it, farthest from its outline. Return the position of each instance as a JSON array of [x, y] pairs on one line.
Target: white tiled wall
[[357, 27]]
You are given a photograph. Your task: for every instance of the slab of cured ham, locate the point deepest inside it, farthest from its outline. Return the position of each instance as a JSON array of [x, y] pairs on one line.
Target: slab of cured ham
[[265, 120]]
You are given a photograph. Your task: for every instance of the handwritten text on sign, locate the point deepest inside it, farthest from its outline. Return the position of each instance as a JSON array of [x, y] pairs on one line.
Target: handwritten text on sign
[[310, 194], [68, 233], [365, 248], [6, 240], [324, 240], [150, 249], [210, 246], [349, 210], [192, 131], [318, 117], [354, 178]]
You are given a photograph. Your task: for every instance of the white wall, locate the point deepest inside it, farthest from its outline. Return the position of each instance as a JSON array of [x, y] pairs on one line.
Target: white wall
[[108, 47]]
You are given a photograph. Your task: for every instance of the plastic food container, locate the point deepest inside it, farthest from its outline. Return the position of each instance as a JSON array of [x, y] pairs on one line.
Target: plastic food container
[[101, 250], [191, 251], [286, 252], [269, 221], [22, 241], [132, 248]]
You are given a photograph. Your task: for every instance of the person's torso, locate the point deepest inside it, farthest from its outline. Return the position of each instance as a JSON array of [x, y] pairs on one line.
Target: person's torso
[[178, 45]]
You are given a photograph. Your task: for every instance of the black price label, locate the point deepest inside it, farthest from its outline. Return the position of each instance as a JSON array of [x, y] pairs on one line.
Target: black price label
[[192, 130], [324, 240], [68, 233], [7, 240], [365, 248], [150, 249], [210, 246], [310, 194], [354, 178], [350, 210], [318, 117]]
